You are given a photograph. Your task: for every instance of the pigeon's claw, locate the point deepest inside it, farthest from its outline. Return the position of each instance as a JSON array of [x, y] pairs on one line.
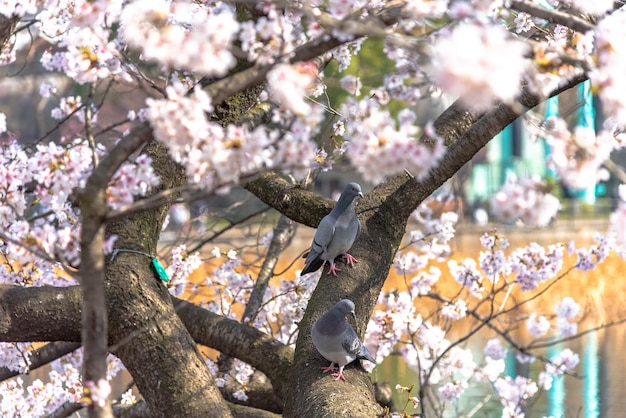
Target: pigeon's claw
[[330, 368], [333, 269], [349, 259], [339, 375]]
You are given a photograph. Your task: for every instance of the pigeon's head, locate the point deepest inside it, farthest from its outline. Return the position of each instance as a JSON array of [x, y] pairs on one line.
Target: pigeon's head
[[352, 191], [345, 307]]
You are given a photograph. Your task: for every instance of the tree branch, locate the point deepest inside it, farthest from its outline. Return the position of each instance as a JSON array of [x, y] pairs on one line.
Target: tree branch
[[43, 313], [141, 410], [283, 232], [289, 200], [42, 356], [237, 340], [553, 16]]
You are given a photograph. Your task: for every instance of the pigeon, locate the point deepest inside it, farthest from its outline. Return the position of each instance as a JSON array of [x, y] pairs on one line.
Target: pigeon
[[335, 234], [336, 340]]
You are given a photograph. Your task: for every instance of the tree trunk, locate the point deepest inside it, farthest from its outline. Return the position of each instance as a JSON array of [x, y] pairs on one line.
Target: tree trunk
[[144, 330]]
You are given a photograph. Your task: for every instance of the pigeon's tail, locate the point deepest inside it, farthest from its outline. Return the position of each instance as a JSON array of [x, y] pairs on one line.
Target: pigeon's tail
[[365, 355], [312, 265]]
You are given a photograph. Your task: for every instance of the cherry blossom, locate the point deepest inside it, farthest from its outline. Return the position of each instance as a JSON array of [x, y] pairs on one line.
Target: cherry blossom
[[525, 199], [455, 311], [97, 392], [466, 274], [609, 35], [514, 394], [480, 79], [417, 10], [182, 265], [259, 38], [494, 350], [452, 390], [288, 85], [158, 28], [596, 7], [577, 157], [537, 325], [567, 308], [378, 147], [523, 22], [535, 264], [15, 356]]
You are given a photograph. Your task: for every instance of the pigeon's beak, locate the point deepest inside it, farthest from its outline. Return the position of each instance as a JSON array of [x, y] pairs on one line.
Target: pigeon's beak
[[353, 315], [360, 195]]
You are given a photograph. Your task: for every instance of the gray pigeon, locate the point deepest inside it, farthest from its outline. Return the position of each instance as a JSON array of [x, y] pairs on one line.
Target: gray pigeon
[[336, 233], [336, 340]]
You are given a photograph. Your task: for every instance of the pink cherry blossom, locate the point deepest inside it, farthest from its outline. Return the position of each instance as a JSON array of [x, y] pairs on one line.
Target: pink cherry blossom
[[288, 86], [480, 78], [158, 28], [526, 200]]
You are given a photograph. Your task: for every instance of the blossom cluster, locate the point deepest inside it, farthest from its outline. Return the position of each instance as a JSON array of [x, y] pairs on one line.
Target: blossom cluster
[[216, 156], [378, 148], [480, 79], [526, 199], [514, 394], [132, 179], [40, 222], [534, 264], [398, 325], [577, 157], [180, 268], [588, 258], [288, 85], [282, 308], [437, 218], [259, 38], [159, 28], [611, 58], [63, 384]]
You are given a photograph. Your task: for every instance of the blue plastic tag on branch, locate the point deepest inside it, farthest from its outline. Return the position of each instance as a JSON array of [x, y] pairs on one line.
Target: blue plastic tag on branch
[[160, 270]]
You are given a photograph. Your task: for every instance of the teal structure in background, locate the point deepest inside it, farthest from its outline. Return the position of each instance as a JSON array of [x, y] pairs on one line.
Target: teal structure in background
[[512, 152]]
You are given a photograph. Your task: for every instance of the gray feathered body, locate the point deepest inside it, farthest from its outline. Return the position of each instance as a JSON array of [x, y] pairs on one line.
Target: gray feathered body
[[335, 339], [336, 232]]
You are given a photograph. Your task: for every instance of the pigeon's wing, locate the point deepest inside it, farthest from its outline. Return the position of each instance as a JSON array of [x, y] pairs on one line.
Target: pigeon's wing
[[354, 347], [364, 354], [323, 236], [321, 240], [351, 342]]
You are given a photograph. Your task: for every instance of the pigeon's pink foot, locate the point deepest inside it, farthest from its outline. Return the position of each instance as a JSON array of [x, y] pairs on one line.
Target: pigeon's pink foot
[[333, 269], [349, 259], [339, 375], [330, 368]]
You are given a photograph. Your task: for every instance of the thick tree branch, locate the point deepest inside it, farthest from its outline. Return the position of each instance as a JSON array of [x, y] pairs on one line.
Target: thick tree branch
[[141, 410], [65, 410], [260, 393], [237, 340], [46, 313], [7, 29], [43, 313], [289, 200]]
